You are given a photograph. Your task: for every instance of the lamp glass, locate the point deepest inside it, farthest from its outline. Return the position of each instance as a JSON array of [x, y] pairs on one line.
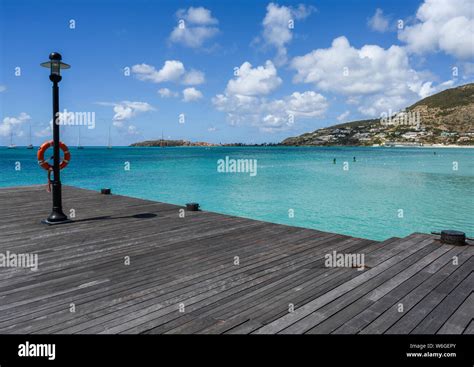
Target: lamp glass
[[55, 68]]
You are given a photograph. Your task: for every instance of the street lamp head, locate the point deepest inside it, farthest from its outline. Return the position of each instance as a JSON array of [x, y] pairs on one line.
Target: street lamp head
[[55, 56], [55, 64]]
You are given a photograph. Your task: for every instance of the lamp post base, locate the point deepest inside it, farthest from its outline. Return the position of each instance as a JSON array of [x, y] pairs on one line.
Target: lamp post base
[[49, 223], [56, 218]]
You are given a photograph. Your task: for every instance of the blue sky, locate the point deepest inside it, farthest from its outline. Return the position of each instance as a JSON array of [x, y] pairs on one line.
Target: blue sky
[[238, 71]]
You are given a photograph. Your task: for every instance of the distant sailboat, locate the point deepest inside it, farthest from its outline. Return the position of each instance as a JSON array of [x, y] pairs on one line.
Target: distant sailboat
[[30, 146], [11, 146], [109, 146], [79, 146]]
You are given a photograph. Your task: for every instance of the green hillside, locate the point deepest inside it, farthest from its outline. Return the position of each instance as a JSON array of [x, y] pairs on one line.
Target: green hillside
[[443, 118], [449, 98]]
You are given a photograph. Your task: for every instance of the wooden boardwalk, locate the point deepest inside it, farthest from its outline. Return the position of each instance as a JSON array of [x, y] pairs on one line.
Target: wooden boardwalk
[[212, 273]]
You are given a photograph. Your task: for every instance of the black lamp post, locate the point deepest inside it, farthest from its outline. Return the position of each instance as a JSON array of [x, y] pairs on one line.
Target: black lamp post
[[55, 65]]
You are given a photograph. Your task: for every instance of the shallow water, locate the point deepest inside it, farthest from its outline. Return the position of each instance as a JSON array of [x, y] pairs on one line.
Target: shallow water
[[386, 192]]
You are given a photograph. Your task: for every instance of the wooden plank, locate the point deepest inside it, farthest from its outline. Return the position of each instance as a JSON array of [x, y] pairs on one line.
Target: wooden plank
[[429, 293], [336, 315], [361, 320], [223, 270], [463, 316], [442, 310], [421, 310], [230, 266], [205, 293], [470, 328], [274, 303], [258, 294], [288, 320], [194, 326]]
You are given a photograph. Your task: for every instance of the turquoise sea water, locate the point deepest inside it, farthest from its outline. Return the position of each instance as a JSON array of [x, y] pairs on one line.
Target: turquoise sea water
[[363, 201]]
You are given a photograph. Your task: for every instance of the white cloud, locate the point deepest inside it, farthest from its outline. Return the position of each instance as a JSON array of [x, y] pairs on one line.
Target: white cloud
[[191, 94], [12, 124], [47, 131], [171, 71], [306, 104], [383, 77], [193, 37], [426, 90], [239, 108], [254, 81], [271, 115], [3, 88], [166, 93], [277, 31], [244, 100], [193, 77], [442, 25], [378, 22], [132, 130], [198, 16], [195, 27], [281, 114], [343, 116], [126, 110], [20, 119]]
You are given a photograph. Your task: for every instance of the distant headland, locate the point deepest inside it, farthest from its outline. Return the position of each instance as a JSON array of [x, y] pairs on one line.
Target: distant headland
[[443, 119], [187, 143]]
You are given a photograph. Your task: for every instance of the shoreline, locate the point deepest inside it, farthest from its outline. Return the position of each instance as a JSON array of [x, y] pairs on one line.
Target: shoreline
[[18, 147]]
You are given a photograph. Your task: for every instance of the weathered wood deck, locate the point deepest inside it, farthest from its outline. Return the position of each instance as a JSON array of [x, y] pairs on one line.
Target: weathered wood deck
[[190, 262]]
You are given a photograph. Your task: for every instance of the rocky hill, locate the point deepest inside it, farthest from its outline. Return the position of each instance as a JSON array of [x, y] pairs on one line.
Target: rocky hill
[[443, 118]]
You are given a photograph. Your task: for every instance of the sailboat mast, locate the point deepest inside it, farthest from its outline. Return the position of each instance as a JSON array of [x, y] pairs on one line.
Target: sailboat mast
[[11, 140], [30, 145], [79, 146]]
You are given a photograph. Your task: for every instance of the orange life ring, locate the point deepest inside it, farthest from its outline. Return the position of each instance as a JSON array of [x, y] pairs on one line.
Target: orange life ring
[[44, 164]]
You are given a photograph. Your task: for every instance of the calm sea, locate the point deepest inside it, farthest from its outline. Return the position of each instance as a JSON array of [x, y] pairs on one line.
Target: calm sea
[[385, 192]]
